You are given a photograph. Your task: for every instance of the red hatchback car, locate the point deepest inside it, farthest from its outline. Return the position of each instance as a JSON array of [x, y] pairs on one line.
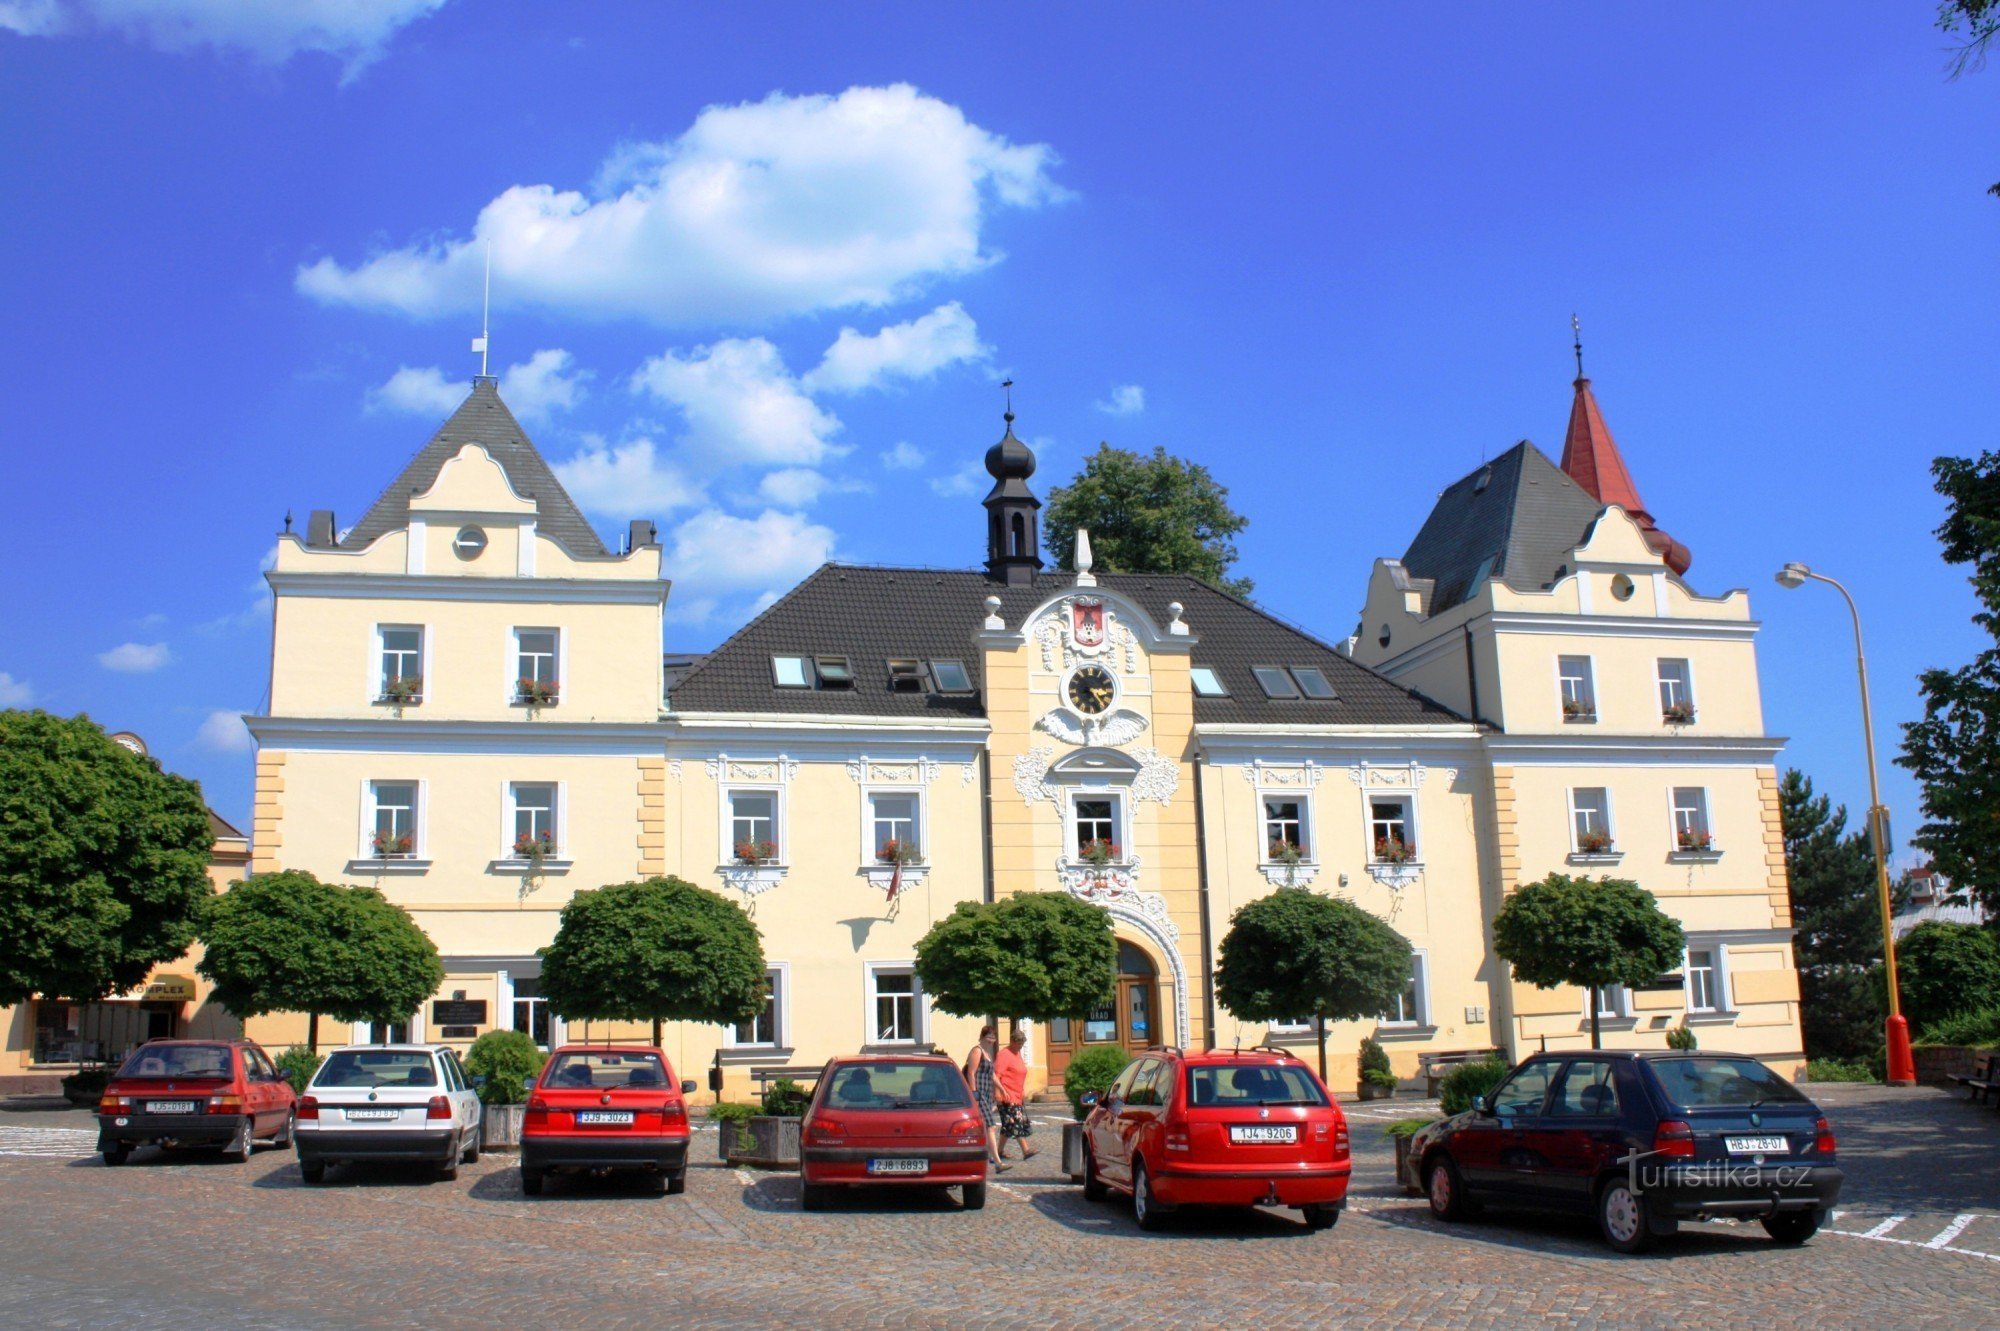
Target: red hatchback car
[[605, 1107], [896, 1119], [1230, 1127], [224, 1093]]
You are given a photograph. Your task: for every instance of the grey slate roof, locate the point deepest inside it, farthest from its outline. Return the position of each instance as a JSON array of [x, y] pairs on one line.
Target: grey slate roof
[[873, 614], [1526, 518], [483, 419]]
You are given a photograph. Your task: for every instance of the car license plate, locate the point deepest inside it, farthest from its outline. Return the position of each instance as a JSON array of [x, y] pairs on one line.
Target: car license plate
[[899, 1166], [371, 1115], [1260, 1133], [604, 1118], [1758, 1145], [170, 1106]]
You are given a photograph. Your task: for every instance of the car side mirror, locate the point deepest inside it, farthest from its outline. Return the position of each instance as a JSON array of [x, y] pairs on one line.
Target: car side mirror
[[1088, 1099], [1480, 1105], [479, 1082], [688, 1086]]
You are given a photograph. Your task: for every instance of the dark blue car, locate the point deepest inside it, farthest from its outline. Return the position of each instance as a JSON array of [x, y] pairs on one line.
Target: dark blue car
[[1642, 1141]]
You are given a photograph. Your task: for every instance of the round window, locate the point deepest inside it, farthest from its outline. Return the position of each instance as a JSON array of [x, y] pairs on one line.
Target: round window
[[470, 543], [1621, 587]]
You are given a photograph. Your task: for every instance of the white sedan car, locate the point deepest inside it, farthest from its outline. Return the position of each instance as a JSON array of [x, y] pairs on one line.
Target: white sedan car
[[389, 1102]]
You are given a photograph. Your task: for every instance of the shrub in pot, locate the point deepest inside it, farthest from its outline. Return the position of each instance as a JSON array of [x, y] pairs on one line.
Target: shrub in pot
[[508, 1061], [1400, 1133], [1377, 1078], [732, 1124]]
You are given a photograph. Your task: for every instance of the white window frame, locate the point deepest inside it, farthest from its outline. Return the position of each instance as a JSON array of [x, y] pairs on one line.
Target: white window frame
[[1420, 964], [1308, 827], [919, 1005], [1304, 1027], [1121, 815], [1610, 821], [1685, 685], [1589, 677], [508, 808], [779, 973], [871, 841], [1618, 999], [514, 675], [377, 676], [1221, 690], [1718, 978], [1412, 836], [1674, 810], [779, 832], [369, 807]]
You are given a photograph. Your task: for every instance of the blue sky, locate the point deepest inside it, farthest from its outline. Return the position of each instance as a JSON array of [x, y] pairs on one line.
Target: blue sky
[[759, 269]]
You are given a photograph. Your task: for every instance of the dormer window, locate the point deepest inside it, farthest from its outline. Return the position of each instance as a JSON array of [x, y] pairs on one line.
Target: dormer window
[[1312, 682], [951, 677], [834, 672], [906, 676], [1275, 682], [1207, 683]]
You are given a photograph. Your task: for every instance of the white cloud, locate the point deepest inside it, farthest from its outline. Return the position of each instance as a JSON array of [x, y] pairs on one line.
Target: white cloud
[[913, 350], [967, 480], [14, 692], [421, 392], [905, 456], [355, 32], [715, 551], [546, 382], [1125, 400], [135, 658], [628, 480], [224, 732], [742, 404], [794, 487], [761, 210]]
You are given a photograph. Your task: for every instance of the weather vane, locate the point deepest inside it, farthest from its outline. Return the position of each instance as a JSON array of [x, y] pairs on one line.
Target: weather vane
[[485, 313], [1576, 335], [1008, 385]]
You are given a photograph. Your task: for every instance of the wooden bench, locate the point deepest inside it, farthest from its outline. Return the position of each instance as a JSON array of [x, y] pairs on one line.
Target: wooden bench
[[1984, 1079], [805, 1076], [1433, 1067]]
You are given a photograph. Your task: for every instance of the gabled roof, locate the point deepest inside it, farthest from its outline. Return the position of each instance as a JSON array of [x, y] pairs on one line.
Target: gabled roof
[[483, 419], [872, 615], [1517, 518]]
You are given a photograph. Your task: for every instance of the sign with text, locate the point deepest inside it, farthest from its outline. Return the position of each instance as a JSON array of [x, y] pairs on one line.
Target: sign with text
[[458, 1012]]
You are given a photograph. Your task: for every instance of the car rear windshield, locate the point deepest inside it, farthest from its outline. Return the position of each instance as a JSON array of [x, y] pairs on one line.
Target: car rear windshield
[[896, 1086], [178, 1060], [1234, 1085], [606, 1070], [1714, 1083], [376, 1069]]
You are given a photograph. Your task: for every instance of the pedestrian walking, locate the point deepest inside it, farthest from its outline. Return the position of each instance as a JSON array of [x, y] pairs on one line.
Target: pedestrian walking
[[979, 1076], [1010, 1070]]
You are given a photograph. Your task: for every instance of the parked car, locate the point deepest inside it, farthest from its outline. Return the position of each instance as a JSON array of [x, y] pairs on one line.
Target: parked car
[[223, 1093], [892, 1119], [1640, 1140], [1229, 1127], [405, 1102], [606, 1107]]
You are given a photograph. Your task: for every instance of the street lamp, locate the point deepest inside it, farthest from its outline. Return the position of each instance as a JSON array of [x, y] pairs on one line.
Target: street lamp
[[1902, 1068]]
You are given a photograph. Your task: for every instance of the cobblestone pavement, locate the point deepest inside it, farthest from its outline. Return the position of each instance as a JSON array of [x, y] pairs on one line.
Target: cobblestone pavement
[[171, 1240]]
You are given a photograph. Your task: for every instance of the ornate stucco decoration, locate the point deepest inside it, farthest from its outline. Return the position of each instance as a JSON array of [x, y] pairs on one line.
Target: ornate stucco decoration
[[1115, 888], [1395, 776], [752, 880], [882, 876], [751, 771], [1290, 875], [1159, 777], [967, 772], [1396, 877], [674, 769], [1103, 636], [1031, 771], [1285, 776], [1115, 728], [867, 771]]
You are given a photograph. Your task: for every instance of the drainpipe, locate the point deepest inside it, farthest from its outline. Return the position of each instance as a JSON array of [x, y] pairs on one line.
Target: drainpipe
[[986, 819], [1201, 880], [1471, 673]]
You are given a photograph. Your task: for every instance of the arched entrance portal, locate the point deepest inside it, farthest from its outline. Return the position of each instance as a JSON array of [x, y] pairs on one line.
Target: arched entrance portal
[[1130, 1021]]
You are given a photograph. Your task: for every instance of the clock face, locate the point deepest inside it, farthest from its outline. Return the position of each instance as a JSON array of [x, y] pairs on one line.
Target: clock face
[[1091, 690]]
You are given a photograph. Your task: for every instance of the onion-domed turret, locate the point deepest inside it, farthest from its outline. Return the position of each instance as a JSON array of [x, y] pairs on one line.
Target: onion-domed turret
[[1013, 523]]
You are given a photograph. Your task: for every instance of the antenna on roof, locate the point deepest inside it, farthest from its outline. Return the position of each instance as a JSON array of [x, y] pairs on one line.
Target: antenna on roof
[[1576, 337], [485, 313]]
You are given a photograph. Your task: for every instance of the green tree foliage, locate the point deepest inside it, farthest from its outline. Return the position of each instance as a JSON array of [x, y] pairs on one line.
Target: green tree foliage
[[286, 942], [508, 1060], [1838, 916], [1575, 931], [1955, 749], [659, 950], [1092, 1071], [1293, 954], [1945, 969], [1039, 955], [103, 860], [1157, 514]]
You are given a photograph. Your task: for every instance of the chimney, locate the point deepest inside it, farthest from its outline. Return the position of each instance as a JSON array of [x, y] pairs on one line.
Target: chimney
[[641, 534], [320, 530]]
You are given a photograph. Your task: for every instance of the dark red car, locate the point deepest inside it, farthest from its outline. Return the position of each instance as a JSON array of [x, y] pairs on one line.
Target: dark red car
[[606, 1107], [218, 1093], [1230, 1127], [903, 1119]]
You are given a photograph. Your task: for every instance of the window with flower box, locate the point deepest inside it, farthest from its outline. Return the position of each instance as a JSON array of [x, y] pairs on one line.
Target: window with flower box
[[1578, 689], [399, 677], [1690, 814], [1391, 830], [392, 820], [1590, 821], [533, 818], [1097, 826], [1676, 691], [1287, 835], [896, 835], [537, 666], [753, 827]]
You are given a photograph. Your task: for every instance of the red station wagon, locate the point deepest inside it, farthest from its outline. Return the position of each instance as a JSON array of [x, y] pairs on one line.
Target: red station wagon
[[223, 1093], [1230, 1127], [605, 1107], [895, 1119]]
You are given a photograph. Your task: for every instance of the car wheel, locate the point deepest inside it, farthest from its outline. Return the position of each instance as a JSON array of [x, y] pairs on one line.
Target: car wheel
[[284, 1137], [974, 1195], [1322, 1217], [1145, 1207], [813, 1197], [117, 1155], [1093, 1186], [241, 1145], [677, 1182], [1622, 1217], [478, 1141], [1793, 1227], [313, 1171], [531, 1181], [1445, 1188]]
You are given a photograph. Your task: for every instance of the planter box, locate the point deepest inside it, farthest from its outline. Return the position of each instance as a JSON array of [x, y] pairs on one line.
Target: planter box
[[773, 1143], [501, 1130], [1368, 1090], [1937, 1064], [1405, 1176], [1072, 1151]]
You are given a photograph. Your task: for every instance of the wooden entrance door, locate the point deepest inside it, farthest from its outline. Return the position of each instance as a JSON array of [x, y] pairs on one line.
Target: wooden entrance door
[[1130, 1021]]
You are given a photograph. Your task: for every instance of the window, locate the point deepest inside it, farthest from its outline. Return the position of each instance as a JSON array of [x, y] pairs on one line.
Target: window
[[834, 672], [402, 672], [534, 804], [1148, 1086], [753, 826], [895, 1005], [1705, 980], [1691, 819], [535, 665], [1523, 1092], [392, 819], [531, 1011], [1412, 1006], [1613, 1001], [1579, 697], [1096, 816], [791, 672], [1676, 692], [1284, 825], [1207, 683], [1275, 682], [1391, 838], [1313, 682], [764, 1028], [1590, 820], [951, 677], [1588, 1090], [906, 676], [893, 819]]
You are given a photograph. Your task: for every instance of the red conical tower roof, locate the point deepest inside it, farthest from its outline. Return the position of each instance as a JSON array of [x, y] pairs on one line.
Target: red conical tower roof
[[1591, 459]]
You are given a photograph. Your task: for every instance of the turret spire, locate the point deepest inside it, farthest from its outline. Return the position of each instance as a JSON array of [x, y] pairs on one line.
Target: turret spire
[[1591, 459], [1013, 523]]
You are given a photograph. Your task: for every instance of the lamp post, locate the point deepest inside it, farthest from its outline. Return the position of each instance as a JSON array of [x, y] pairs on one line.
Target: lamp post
[[1902, 1068]]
